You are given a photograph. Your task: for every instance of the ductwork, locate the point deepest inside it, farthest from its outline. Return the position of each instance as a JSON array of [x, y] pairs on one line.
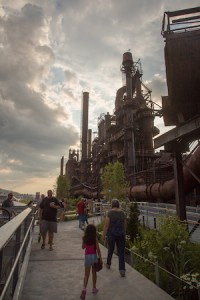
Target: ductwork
[[166, 191]]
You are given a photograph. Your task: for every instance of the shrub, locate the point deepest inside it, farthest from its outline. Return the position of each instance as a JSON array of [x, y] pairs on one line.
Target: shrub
[[133, 222], [171, 248]]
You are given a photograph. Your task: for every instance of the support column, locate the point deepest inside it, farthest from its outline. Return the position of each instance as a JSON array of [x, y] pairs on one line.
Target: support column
[[179, 186]]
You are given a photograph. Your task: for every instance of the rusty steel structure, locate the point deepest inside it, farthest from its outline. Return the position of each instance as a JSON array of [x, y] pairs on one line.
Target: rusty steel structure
[[125, 136], [128, 135]]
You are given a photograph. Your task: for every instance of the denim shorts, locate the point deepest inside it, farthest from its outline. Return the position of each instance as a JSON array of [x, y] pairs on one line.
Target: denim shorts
[[90, 259]]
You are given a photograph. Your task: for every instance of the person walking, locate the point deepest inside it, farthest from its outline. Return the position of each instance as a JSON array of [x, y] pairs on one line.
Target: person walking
[[92, 253], [39, 201], [86, 213], [81, 211], [8, 205], [115, 229], [63, 209], [48, 218], [37, 209]]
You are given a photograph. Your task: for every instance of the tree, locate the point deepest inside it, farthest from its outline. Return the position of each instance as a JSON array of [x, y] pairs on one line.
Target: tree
[[133, 222], [114, 182], [62, 187]]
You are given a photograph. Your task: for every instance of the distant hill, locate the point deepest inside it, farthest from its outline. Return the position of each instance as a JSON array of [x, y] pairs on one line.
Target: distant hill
[[17, 196], [5, 192]]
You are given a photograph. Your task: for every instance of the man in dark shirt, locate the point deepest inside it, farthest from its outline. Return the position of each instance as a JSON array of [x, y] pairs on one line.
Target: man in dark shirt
[[48, 218]]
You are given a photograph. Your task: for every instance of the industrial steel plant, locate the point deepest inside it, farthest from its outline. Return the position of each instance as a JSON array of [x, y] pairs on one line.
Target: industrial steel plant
[[129, 135]]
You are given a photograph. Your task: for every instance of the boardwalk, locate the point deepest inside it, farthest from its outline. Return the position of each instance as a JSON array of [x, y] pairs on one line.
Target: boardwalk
[[58, 274]]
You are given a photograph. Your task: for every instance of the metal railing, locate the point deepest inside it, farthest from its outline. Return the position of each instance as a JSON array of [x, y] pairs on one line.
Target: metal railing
[[5, 216], [15, 238]]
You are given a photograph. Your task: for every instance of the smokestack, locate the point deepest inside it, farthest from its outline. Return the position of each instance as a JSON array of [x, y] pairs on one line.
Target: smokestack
[[61, 166], [127, 68], [84, 136], [85, 124], [89, 142]]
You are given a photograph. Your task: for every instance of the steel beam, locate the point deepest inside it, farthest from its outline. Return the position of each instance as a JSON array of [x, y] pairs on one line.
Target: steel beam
[[188, 131]]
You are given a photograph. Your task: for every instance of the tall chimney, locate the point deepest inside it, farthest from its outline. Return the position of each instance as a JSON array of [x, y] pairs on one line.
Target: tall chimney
[[85, 124], [89, 142], [127, 68], [61, 165], [84, 136]]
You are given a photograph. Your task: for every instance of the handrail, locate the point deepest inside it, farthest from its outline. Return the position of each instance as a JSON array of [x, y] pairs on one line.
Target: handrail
[[6, 215], [9, 228], [16, 261], [15, 237]]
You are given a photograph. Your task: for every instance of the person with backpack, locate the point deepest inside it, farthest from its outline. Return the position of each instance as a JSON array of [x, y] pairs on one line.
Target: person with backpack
[[115, 229]]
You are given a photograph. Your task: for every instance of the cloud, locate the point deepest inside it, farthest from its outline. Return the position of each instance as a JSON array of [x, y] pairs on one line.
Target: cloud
[[52, 51], [33, 132]]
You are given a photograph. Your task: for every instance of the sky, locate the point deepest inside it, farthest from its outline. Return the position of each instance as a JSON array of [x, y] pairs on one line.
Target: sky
[[51, 51]]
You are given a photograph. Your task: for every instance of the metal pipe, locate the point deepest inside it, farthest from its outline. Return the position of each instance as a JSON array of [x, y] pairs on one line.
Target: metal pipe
[[167, 189]]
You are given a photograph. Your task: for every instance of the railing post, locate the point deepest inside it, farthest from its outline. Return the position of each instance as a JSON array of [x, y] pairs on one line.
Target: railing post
[[101, 210], [154, 223], [157, 273], [143, 222], [1, 265], [147, 218]]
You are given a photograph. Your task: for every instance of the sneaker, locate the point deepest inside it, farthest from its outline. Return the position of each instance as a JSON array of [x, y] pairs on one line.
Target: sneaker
[[107, 266], [95, 290], [43, 246], [83, 294], [122, 273]]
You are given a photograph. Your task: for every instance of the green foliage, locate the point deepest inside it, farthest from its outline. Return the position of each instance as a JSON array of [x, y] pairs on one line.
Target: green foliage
[[171, 248], [114, 182], [62, 187], [193, 253], [173, 238], [100, 226], [70, 217], [71, 203], [146, 243], [133, 222]]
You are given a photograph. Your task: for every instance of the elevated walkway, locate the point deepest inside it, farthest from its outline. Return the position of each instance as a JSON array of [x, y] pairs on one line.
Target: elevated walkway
[[58, 274]]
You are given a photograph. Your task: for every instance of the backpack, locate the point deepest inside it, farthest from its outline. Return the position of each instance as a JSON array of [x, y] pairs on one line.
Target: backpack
[[117, 228]]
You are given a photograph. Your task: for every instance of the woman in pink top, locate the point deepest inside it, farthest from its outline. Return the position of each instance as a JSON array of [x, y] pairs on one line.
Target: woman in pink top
[[92, 252]]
